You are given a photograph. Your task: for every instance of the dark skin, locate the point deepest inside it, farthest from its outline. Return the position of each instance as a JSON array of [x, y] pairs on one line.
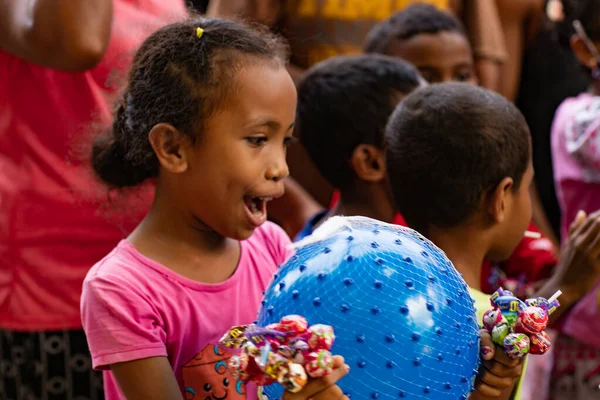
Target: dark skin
[[445, 57], [576, 273], [200, 211], [439, 57], [302, 169], [65, 35], [496, 224]]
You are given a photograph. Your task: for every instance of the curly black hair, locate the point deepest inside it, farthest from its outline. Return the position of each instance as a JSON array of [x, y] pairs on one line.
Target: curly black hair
[[181, 79]]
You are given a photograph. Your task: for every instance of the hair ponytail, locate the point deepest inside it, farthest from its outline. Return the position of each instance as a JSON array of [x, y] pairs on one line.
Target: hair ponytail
[[110, 160]]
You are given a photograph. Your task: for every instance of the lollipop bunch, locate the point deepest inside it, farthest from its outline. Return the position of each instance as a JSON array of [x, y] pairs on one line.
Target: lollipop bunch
[[287, 352], [518, 326]]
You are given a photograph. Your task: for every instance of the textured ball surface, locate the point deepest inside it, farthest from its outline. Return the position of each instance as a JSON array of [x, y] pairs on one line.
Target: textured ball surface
[[403, 317]]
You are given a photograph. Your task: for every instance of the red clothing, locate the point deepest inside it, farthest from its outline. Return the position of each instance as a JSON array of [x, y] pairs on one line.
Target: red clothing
[[52, 229], [531, 261]]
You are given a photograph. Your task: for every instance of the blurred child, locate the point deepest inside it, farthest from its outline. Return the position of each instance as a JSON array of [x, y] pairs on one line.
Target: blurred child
[[208, 112], [344, 104], [576, 161], [435, 42]]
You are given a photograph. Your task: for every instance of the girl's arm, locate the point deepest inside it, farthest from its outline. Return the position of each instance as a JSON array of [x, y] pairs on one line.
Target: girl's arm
[[147, 379], [68, 35]]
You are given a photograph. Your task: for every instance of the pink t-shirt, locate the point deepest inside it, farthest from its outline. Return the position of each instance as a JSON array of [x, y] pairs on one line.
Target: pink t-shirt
[[135, 308], [576, 163], [52, 225]]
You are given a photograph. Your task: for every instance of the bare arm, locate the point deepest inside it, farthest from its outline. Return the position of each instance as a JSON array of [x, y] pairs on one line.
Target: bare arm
[[266, 12], [147, 379], [482, 22], [68, 35]]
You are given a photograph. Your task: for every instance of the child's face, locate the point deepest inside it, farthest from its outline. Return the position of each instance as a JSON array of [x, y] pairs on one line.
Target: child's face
[[439, 57], [516, 219], [239, 162]]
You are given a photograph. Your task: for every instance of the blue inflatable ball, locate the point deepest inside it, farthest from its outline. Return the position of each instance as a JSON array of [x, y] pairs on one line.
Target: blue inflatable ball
[[403, 317]]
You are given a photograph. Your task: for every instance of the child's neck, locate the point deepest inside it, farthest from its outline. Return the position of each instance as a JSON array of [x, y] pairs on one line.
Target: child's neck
[[374, 204], [594, 88], [167, 236], [464, 248]]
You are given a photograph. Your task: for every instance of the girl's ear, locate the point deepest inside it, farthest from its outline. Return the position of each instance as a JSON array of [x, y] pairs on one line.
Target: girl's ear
[[170, 147]]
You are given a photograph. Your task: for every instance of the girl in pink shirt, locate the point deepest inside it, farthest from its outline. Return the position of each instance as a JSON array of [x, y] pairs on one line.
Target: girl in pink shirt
[[208, 112], [576, 161]]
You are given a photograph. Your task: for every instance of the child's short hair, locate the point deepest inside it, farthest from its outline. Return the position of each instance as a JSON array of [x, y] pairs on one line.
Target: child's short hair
[[411, 21], [446, 146], [181, 75], [344, 102]]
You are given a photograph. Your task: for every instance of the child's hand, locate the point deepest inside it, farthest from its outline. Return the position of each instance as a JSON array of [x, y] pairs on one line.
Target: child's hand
[[498, 373], [323, 388], [579, 266]]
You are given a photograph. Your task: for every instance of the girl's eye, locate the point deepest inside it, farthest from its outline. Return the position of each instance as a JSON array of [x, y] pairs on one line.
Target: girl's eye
[[256, 140]]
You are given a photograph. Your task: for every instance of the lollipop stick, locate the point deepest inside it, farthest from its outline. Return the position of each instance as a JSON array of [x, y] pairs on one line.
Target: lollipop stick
[[532, 235], [554, 296]]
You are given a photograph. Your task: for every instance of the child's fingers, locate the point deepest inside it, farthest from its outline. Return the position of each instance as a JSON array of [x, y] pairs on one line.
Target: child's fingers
[[579, 218], [488, 350], [501, 357], [331, 393], [499, 382], [486, 390], [315, 386], [502, 370]]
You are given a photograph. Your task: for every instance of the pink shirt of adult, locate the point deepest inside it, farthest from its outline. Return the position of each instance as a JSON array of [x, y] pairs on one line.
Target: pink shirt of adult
[[576, 163], [52, 228], [134, 308]]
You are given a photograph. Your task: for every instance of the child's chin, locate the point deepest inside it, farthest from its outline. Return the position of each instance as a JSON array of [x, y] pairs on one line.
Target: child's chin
[[244, 233]]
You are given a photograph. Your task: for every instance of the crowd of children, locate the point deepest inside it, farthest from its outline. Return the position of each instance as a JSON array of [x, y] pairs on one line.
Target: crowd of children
[[201, 127]]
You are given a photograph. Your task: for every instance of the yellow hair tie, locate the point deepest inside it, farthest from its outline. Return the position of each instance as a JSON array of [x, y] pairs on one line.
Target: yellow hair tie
[[199, 32]]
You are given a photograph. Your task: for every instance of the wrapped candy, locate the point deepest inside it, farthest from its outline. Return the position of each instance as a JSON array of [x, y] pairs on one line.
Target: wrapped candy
[[235, 337], [320, 337], [531, 320], [294, 323], [539, 343], [319, 363], [286, 352], [499, 332], [294, 379], [510, 307], [516, 345], [518, 326], [493, 317]]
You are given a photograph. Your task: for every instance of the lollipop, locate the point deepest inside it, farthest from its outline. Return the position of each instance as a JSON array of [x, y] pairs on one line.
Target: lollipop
[[539, 343], [516, 345], [493, 317], [286, 352], [518, 326], [531, 320]]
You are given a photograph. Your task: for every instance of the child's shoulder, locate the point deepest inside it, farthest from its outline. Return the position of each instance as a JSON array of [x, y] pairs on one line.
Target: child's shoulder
[[575, 104], [118, 266]]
